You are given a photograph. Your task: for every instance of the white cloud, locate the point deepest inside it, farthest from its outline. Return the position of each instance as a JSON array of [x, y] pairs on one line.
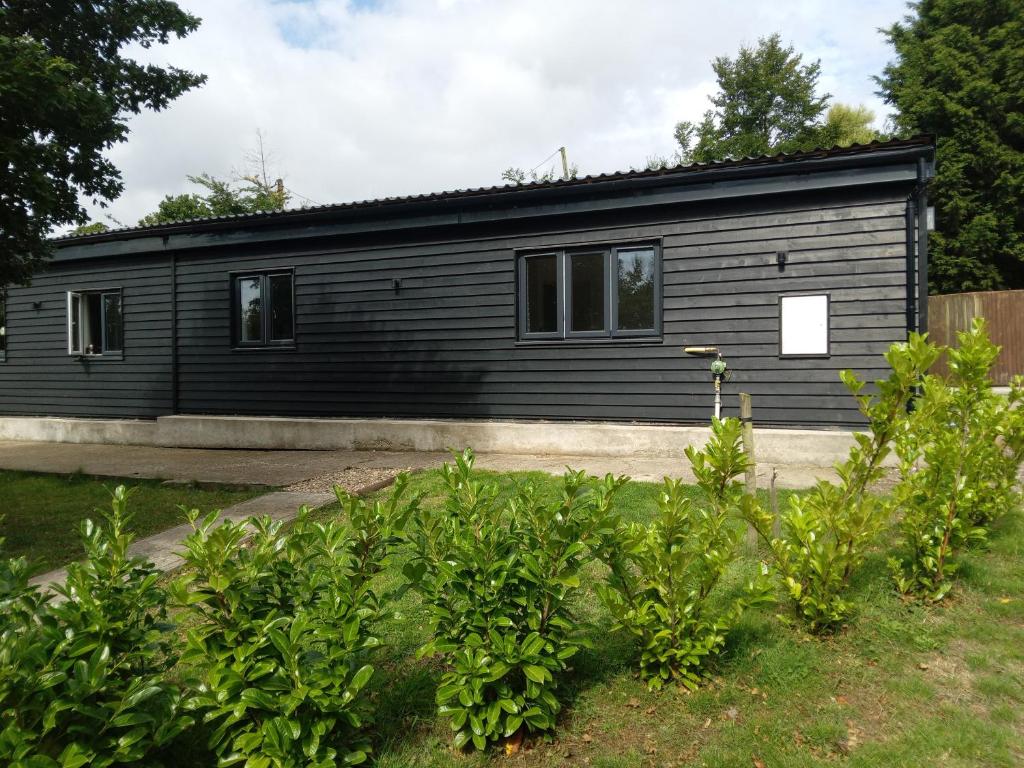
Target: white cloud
[[370, 99]]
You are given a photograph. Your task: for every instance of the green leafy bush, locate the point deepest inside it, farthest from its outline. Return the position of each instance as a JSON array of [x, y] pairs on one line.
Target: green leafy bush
[[663, 576], [960, 452], [497, 575], [281, 631], [82, 673], [827, 531]]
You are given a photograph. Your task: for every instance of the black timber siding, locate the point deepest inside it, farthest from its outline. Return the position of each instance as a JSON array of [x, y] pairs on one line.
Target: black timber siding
[[446, 346], [38, 376]]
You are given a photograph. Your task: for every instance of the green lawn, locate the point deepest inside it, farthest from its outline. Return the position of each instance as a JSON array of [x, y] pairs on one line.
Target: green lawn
[[902, 685], [40, 514]]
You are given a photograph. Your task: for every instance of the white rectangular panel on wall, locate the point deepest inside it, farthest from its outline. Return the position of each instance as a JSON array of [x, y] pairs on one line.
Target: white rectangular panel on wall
[[804, 321]]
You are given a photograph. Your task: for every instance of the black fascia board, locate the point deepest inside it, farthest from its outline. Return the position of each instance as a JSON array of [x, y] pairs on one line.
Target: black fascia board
[[891, 165]]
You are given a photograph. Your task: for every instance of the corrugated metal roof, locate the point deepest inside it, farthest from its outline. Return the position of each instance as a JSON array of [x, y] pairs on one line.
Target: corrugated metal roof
[[677, 170]]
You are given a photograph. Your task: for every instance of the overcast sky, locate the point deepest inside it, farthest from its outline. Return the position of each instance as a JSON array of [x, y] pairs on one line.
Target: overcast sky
[[376, 98]]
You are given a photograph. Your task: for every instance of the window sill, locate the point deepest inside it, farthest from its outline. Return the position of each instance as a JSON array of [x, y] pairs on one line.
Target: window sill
[[267, 348], [110, 356], [590, 342]]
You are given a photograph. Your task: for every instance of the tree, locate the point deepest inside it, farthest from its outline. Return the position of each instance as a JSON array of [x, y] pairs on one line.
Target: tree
[[845, 125], [66, 91], [223, 198], [959, 74], [92, 228], [767, 102], [249, 192], [518, 176]]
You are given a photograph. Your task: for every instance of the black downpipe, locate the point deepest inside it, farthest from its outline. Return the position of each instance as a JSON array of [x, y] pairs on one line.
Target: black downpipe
[[174, 332], [922, 246], [911, 269]]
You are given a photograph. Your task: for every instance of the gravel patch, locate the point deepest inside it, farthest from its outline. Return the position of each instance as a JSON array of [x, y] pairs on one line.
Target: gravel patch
[[352, 479]]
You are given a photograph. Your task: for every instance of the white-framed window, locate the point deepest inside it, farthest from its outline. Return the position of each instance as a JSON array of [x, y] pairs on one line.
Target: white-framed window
[[95, 323], [804, 326]]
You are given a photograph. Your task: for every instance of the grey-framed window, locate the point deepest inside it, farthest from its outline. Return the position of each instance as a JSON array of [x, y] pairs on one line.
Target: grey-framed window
[[263, 309], [596, 293], [805, 325], [95, 323]]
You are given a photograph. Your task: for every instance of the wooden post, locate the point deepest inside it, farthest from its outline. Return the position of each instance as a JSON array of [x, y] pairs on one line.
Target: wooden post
[[773, 503], [747, 419]]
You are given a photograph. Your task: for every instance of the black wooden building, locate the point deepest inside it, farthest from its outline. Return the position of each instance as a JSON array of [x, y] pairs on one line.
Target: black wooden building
[[569, 300]]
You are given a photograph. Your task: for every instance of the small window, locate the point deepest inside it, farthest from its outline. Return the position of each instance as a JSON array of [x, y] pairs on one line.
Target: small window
[[95, 323], [804, 328], [264, 310], [606, 293]]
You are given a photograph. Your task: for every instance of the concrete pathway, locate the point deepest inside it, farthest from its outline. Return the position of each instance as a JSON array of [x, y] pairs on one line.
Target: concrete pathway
[[162, 548], [233, 467]]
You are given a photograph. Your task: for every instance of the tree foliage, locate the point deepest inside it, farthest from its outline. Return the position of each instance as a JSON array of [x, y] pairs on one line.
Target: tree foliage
[[959, 74], [251, 191], [249, 194], [66, 93], [767, 101], [520, 176]]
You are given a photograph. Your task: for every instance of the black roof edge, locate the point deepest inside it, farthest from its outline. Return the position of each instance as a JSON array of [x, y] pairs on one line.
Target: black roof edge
[[862, 155]]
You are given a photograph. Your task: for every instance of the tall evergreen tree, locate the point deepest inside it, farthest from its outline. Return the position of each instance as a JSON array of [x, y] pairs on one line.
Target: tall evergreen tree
[[959, 74]]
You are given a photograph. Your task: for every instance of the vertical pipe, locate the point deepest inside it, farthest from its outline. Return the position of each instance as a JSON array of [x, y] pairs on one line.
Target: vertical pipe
[[911, 269], [174, 332], [922, 245]]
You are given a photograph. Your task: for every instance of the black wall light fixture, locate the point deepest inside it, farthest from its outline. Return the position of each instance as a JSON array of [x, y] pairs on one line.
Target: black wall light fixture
[[780, 259], [396, 284]]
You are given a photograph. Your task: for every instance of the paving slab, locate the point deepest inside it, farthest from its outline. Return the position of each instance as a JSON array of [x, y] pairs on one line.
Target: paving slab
[[233, 467]]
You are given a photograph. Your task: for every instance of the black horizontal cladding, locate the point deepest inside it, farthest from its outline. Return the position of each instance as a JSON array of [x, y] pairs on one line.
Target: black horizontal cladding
[[39, 377], [442, 343]]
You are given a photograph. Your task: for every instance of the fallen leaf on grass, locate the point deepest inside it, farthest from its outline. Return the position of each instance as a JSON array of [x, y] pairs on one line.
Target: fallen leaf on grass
[[513, 744], [758, 763]]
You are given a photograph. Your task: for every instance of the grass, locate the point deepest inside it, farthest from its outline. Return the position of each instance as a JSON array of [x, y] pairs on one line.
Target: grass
[[41, 513], [901, 685]]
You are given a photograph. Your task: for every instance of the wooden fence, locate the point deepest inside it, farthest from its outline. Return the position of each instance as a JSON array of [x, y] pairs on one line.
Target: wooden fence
[[1004, 311]]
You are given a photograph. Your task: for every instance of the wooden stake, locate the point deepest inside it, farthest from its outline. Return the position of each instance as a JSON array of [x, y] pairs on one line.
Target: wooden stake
[[773, 504], [747, 419]]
